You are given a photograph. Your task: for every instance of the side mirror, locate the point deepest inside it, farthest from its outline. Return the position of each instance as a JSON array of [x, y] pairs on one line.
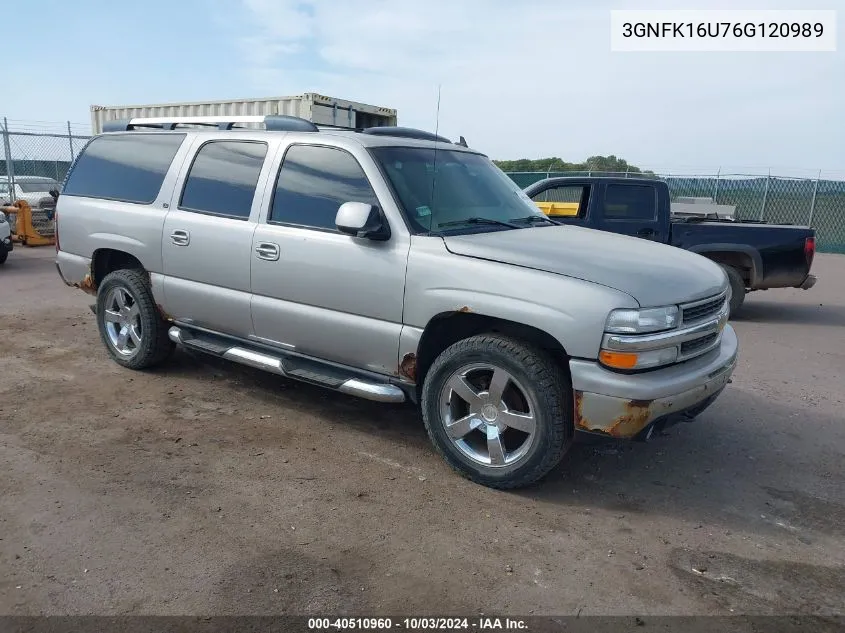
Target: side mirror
[[360, 219]]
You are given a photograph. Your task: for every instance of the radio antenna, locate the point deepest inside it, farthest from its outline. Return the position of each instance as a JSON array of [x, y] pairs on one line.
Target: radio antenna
[[434, 162]]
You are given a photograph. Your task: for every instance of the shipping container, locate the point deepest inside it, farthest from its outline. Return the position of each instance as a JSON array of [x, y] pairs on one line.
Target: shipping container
[[314, 107]]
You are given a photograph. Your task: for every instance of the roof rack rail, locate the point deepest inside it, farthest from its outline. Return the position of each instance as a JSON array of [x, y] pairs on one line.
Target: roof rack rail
[[273, 122], [404, 132]]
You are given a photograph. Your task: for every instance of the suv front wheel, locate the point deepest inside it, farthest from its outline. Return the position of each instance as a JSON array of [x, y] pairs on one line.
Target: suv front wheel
[[498, 410]]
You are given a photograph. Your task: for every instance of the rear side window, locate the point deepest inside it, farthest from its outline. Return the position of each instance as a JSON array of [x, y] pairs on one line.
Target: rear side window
[[313, 182], [124, 167], [630, 202], [223, 178]]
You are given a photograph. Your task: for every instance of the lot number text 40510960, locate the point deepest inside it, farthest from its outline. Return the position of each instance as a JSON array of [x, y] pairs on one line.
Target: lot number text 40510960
[[418, 624]]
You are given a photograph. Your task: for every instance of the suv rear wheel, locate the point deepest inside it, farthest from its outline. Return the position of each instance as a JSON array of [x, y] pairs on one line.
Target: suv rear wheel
[[130, 326], [498, 410]]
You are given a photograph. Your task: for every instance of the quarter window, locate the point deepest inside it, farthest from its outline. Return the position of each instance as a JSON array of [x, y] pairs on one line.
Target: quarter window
[[125, 167], [223, 178], [313, 182]]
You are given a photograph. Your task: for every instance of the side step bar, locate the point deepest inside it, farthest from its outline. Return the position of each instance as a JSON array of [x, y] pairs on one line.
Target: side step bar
[[298, 369]]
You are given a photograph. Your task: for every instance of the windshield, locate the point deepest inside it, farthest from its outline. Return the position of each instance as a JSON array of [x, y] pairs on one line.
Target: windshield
[[465, 192], [34, 186]]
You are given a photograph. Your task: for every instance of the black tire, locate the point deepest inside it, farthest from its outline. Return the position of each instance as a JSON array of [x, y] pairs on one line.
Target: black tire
[[4, 253], [154, 346], [737, 288], [543, 380]]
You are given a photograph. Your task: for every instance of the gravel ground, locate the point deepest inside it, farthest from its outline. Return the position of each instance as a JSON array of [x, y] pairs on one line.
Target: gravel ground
[[208, 488]]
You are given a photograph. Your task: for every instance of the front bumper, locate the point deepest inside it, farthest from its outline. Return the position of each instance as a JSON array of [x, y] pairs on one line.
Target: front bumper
[[627, 405]]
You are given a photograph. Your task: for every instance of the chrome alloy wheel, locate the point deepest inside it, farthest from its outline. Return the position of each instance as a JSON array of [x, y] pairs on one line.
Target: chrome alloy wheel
[[122, 321], [488, 415]]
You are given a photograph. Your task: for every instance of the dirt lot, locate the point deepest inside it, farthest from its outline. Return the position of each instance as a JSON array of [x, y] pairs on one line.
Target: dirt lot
[[208, 488]]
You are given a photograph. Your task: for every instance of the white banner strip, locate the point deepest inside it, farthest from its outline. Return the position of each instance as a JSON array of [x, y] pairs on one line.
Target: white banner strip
[[739, 31]]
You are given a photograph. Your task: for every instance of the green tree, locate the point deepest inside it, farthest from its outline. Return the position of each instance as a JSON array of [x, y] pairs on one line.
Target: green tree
[[593, 163]]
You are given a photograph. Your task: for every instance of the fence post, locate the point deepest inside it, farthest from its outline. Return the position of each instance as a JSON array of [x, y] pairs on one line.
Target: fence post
[[70, 140], [813, 201], [765, 196], [627, 167], [716, 187], [10, 164]]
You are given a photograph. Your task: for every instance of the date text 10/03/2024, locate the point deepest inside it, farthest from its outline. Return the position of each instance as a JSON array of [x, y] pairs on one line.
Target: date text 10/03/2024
[[418, 624]]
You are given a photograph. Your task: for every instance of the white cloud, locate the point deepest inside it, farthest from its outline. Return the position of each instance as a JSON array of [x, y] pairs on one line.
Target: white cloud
[[537, 78]]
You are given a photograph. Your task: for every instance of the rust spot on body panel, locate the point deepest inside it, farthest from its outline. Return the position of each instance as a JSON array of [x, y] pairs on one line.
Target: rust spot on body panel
[[163, 314], [87, 284], [408, 366], [579, 400], [465, 309], [616, 418], [637, 415]]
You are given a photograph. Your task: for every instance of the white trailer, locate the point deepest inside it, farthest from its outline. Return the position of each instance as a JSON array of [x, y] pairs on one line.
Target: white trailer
[[314, 107]]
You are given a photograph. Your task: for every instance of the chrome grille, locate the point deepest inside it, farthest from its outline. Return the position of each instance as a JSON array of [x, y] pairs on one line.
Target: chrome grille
[[700, 310]]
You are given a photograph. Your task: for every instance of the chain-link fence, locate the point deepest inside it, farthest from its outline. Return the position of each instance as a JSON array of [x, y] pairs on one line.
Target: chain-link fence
[[36, 159], [771, 199]]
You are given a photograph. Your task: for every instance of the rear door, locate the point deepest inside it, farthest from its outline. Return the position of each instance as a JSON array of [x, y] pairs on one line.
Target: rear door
[[207, 239], [630, 209]]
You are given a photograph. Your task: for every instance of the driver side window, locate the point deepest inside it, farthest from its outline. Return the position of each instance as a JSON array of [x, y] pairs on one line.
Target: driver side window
[[313, 182], [563, 201]]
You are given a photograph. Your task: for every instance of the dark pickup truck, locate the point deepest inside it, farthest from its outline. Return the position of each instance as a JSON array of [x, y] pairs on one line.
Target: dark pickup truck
[[755, 256]]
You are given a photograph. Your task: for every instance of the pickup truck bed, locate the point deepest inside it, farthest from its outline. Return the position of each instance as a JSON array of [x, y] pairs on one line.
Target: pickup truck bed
[[771, 256], [755, 256]]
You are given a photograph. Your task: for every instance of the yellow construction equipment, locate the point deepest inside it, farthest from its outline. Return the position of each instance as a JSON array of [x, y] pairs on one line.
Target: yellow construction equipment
[[31, 227]]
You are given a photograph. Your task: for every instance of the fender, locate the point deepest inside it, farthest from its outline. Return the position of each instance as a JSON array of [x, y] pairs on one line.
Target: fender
[[753, 253]]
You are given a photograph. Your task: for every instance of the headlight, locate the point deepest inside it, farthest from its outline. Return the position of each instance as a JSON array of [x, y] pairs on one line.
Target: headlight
[[642, 321]]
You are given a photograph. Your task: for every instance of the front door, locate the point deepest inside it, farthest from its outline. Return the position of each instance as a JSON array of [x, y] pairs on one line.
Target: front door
[[315, 290], [208, 237]]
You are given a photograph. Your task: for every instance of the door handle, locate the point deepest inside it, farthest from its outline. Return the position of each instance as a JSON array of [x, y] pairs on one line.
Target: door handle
[[180, 237], [268, 251], [646, 233]]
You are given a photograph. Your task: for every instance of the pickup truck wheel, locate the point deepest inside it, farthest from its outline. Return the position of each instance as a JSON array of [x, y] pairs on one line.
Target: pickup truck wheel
[[499, 411], [4, 254], [130, 326], [737, 288]]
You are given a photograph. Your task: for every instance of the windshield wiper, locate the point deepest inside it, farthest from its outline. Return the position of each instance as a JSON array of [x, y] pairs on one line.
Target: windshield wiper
[[532, 219], [479, 220]]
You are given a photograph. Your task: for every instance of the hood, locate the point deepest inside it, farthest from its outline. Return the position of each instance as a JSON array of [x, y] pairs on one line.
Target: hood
[[654, 274]]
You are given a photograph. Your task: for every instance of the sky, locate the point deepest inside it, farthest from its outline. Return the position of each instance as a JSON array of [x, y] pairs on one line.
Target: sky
[[526, 79]]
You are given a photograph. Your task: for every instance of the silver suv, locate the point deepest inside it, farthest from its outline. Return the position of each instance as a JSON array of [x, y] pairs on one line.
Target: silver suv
[[394, 265]]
